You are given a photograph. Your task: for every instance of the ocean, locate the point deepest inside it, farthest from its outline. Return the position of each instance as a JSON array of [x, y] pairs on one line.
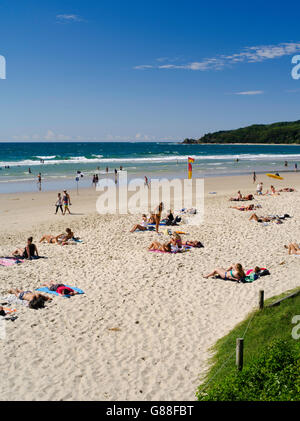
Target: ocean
[[59, 162]]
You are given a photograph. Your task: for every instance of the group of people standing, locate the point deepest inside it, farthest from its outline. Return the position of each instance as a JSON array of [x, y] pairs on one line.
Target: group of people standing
[[63, 202]]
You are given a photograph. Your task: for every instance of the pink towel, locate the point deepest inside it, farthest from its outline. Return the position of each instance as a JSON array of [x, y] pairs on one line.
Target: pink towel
[[8, 261]]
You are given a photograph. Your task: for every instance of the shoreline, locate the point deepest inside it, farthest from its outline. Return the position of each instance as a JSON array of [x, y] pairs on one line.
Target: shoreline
[[65, 183]]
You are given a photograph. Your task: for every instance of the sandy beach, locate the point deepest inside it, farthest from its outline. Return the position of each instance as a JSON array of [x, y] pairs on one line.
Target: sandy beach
[[164, 314]]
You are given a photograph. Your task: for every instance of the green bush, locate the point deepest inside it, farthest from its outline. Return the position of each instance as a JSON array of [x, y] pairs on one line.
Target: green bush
[[273, 376]]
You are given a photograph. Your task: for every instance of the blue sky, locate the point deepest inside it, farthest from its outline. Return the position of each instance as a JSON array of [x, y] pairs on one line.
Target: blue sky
[[136, 70]]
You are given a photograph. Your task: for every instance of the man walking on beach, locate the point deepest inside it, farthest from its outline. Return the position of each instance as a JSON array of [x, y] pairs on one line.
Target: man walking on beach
[[254, 177], [66, 202]]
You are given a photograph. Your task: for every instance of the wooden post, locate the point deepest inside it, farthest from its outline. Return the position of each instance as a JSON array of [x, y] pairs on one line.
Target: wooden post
[[239, 353], [261, 299]]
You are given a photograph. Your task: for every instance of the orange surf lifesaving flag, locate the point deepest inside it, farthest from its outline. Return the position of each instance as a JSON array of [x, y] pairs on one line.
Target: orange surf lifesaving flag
[[190, 169]]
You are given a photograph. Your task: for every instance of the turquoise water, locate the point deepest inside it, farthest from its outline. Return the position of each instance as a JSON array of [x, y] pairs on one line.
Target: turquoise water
[[61, 161]]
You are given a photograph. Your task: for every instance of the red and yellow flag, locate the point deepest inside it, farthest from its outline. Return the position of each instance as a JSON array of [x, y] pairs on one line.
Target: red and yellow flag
[[190, 169]]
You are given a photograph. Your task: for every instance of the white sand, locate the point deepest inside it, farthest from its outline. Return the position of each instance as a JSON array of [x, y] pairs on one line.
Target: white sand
[[168, 314]]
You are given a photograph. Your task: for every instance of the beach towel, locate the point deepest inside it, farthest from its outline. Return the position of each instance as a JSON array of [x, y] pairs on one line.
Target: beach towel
[[9, 310], [46, 289], [12, 299], [9, 261], [161, 223]]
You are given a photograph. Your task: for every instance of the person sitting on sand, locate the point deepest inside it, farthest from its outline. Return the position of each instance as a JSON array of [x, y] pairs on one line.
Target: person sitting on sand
[[239, 197], [60, 288], [273, 192], [151, 218], [143, 226], [243, 208], [28, 252], [171, 220], [176, 242], [166, 247], [233, 273], [60, 239], [293, 248], [36, 300]]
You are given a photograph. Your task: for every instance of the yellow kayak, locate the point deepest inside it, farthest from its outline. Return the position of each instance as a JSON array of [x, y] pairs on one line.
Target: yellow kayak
[[275, 176]]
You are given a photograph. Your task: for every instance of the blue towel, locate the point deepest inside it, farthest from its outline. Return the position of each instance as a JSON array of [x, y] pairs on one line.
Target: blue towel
[[46, 289]]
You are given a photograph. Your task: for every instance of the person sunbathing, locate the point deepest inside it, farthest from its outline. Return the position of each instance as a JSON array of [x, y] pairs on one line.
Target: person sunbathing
[[287, 189], [60, 288], [261, 218], [273, 192], [143, 226], [35, 300], [233, 273], [192, 243], [293, 248], [243, 208], [166, 247], [28, 252], [60, 239]]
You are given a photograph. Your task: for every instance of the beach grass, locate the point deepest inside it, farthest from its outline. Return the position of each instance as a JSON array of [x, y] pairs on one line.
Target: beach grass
[[259, 329]]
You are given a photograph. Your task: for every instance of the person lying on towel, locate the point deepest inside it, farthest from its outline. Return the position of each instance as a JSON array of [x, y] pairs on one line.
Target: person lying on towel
[[60, 288]]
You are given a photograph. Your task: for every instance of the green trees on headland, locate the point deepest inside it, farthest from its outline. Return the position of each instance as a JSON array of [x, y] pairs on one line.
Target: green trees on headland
[[284, 132]]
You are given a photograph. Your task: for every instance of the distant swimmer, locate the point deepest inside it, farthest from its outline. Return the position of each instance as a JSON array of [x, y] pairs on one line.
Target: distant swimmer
[[296, 166], [29, 170], [285, 163]]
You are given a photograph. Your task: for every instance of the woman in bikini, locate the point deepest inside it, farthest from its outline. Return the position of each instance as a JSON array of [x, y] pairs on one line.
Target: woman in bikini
[[61, 238], [35, 300], [166, 247], [293, 248], [158, 212], [233, 273], [243, 208]]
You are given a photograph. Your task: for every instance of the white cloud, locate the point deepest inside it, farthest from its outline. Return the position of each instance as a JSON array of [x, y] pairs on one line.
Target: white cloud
[[68, 18], [249, 93], [253, 54]]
